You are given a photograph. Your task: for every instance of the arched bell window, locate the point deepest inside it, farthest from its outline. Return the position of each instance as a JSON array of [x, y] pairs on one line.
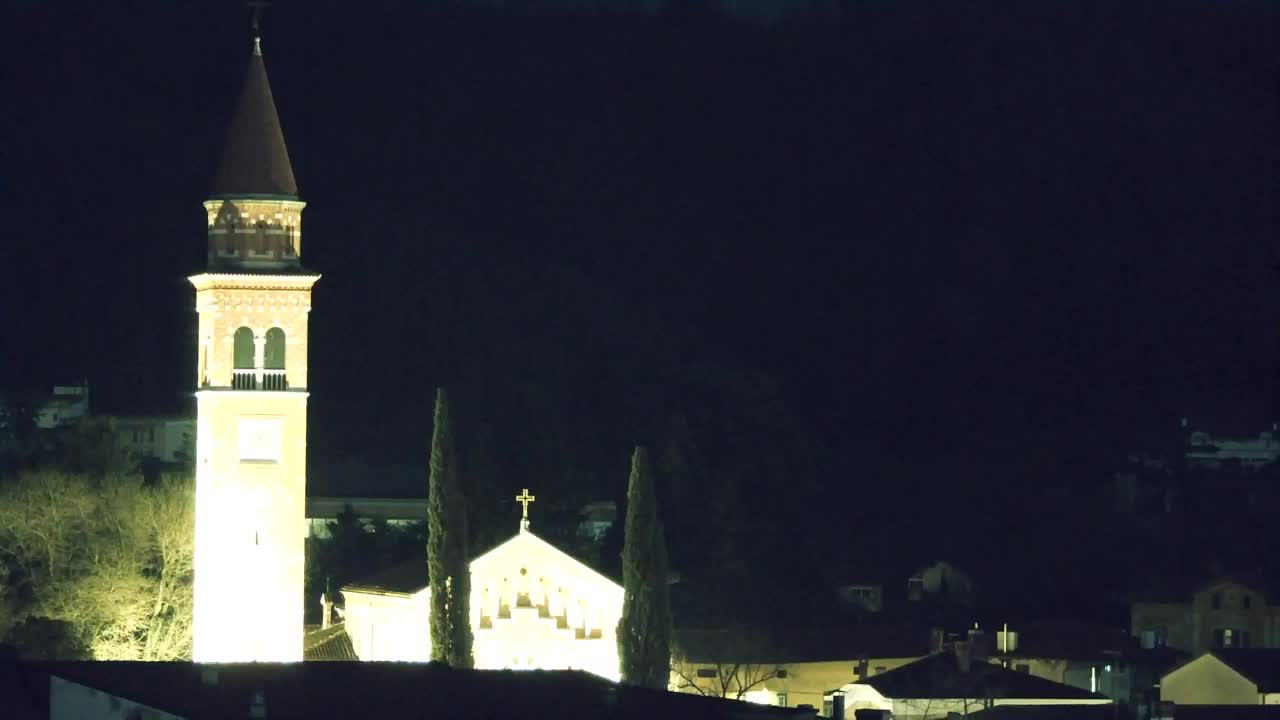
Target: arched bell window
[[273, 357], [242, 376], [273, 361]]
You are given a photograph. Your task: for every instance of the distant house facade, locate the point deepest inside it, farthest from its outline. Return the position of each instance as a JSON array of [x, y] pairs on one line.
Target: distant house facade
[[789, 667], [1223, 614], [65, 405], [1251, 453], [1225, 677], [166, 439], [941, 581], [395, 512]]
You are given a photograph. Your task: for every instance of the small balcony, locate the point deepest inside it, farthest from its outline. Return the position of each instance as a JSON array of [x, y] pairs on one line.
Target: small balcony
[[258, 379]]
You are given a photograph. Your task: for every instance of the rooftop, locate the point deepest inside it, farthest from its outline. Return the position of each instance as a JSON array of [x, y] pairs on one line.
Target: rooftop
[[940, 676], [255, 161], [356, 689]]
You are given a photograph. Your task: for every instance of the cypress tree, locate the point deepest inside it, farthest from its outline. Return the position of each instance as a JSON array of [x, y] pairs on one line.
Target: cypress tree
[[448, 571], [644, 632]]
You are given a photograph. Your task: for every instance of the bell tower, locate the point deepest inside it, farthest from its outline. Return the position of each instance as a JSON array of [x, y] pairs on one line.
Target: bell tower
[[251, 397]]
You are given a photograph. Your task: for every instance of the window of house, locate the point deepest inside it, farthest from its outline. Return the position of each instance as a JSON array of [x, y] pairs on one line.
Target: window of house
[[1217, 601], [1230, 638], [1246, 601], [706, 672], [782, 700]]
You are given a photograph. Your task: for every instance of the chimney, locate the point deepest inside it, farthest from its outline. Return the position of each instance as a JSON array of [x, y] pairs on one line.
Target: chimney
[[837, 705], [937, 639], [326, 611], [964, 655]]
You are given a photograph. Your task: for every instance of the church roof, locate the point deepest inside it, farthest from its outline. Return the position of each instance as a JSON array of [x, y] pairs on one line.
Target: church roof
[[254, 159]]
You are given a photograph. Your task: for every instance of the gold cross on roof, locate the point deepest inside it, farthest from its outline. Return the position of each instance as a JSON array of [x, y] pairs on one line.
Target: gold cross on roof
[[524, 498]]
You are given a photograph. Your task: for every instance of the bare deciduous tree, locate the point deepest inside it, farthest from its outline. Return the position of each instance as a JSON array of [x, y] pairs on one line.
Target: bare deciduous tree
[[112, 557], [730, 668]]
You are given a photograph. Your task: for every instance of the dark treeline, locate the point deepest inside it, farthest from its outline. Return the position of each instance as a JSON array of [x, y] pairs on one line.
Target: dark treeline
[[859, 281]]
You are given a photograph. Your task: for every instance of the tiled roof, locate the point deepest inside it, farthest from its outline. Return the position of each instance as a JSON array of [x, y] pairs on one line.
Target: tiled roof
[[360, 690], [331, 643], [1260, 665], [255, 160], [791, 645], [940, 676]]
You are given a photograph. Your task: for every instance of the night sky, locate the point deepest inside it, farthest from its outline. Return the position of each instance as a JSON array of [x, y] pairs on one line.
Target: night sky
[[959, 247]]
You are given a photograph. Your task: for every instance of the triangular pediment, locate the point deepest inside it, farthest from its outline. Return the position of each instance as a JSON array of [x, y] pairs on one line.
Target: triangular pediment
[[527, 552]]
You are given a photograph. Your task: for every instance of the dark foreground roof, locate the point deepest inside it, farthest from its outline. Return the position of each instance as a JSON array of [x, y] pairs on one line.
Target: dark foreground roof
[[357, 690], [940, 676], [1260, 665], [1050, 712], [1226, 712]]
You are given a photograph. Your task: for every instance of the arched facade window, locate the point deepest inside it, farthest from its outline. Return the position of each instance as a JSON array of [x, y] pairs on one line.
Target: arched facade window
[[273, 353]]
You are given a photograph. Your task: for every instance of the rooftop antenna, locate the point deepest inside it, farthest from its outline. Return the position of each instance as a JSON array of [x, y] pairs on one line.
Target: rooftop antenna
[[257, 6]]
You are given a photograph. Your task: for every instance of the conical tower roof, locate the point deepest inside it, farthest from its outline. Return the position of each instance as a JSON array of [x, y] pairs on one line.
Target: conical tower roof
[[255, 161]]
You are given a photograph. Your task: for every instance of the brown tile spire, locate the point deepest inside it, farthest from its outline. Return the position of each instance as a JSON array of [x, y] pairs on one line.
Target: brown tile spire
[[255, 161]]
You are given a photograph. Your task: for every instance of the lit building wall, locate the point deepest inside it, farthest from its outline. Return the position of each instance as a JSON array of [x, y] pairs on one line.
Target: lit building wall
[[798, 683], [250, 474]]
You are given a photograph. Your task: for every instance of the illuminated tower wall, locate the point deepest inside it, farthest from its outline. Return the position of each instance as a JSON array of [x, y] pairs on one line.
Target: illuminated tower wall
[[251, 430]]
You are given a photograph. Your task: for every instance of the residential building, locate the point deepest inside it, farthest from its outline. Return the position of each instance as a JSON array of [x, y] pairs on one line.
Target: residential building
[[942, 581], [597, 518], [953, 682], [861, 597], [65, 405], [395, 512], [1251, 453], [790, 666], [165, 439], [1225, 677], [1225, 613]]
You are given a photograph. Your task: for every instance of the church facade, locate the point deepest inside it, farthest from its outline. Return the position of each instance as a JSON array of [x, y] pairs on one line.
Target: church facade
[[253, 302], [532, 607]]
